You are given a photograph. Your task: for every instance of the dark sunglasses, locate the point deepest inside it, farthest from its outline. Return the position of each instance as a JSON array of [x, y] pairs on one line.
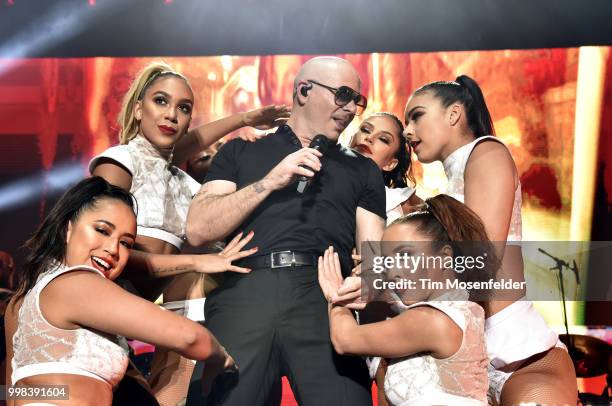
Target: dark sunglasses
[[343, 95]]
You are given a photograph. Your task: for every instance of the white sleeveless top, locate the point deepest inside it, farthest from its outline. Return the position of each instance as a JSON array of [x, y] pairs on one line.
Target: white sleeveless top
[[518, 331], [163, 191], [460, 379], [394, 199], [41, 348], [454, 167]]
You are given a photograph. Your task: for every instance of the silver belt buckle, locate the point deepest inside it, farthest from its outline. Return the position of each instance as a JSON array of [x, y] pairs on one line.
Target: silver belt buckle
[[274, 265]]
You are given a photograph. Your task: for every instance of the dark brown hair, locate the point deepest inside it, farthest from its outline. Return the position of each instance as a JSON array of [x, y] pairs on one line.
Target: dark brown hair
[[48, 244], [401, 175], [447, 221]]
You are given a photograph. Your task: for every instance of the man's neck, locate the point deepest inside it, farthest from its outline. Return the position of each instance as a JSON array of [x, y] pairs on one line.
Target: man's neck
[[303, 132]]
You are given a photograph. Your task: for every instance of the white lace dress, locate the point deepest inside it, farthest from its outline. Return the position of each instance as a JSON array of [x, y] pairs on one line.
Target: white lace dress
[[460, 379], [41, 348]]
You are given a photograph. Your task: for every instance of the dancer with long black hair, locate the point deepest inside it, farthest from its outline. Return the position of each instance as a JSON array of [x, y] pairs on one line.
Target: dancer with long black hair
[[67, 311], [450, 122], [380, 138]]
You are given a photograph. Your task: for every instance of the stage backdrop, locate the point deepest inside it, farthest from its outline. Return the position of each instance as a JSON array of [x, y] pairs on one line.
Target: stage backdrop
[[58, 113]]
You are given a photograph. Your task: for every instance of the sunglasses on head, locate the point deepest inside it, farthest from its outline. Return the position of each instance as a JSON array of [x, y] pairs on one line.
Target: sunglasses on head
[[343, 95]]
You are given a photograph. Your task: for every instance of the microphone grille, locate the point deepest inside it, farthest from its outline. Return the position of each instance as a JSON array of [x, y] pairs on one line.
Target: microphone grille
[[320, 143]]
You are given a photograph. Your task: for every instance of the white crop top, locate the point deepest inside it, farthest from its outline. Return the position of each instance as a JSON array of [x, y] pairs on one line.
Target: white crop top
[[41, 348], [454, 167], [163, 191], [460, 379], [394, 199]]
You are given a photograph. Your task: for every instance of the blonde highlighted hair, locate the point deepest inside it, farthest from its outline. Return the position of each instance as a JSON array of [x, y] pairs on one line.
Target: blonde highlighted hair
[[126, 120]]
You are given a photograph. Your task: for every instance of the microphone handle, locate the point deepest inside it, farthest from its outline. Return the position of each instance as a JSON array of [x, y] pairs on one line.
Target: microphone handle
[[303, 181], [302, 186], [303, 178]]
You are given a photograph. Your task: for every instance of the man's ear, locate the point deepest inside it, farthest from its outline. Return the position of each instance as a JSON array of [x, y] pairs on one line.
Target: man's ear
[[301, 92], [389, 166]]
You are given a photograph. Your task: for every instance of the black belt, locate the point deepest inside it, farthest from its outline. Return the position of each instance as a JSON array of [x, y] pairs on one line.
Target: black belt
[[279, 259]]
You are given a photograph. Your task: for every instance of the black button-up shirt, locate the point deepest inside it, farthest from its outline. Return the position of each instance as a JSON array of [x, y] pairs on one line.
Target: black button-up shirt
[[324, 215]]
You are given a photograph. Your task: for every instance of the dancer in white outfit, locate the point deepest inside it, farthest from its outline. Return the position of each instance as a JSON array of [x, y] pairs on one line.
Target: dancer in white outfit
[[380, 138], [66, 313], [435, 346], [154, 140], [450, 122]]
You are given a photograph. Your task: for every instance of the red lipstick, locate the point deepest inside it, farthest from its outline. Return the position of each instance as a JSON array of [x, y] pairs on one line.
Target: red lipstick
[[364, 149], [166, 130]]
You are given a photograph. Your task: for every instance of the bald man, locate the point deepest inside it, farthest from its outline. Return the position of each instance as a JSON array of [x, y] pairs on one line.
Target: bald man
[[274, 320]]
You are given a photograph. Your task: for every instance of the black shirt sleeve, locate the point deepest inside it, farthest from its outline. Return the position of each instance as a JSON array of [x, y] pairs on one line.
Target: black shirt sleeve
[[224, 164], [372, 197]]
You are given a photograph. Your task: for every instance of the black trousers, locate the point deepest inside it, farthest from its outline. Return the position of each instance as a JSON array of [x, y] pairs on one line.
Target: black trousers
[[274, 322]]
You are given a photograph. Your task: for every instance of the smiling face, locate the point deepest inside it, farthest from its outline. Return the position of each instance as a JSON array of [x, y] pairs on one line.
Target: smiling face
[[101, 237], [427, 127], [165, 110], [378, 139]]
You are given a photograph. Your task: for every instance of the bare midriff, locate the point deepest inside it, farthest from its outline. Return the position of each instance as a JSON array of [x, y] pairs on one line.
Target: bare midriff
[[82, 390]]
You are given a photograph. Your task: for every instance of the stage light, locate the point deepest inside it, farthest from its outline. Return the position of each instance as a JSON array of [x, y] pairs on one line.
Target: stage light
[[29, 189], [64, 21], [589, 104]]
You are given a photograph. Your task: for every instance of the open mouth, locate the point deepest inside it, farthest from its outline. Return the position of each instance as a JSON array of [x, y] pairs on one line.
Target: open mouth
[[364, 149], [415, 144], [101, 265]]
